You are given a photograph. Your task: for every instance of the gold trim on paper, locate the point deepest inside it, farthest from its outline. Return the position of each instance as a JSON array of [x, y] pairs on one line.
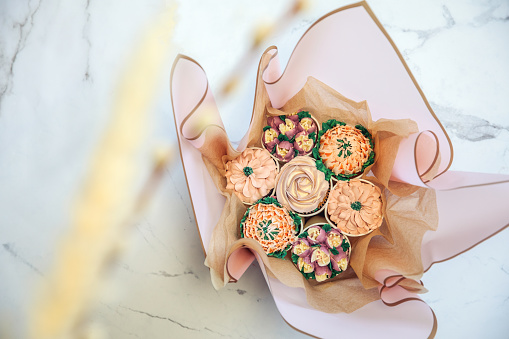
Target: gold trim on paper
[[404, 300], [177, 59], [468, 249]]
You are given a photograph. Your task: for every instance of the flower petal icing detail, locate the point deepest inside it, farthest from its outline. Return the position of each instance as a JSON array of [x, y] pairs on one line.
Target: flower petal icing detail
[[270, 139], [270, 225], [301, 186], [349, 219], [321, 252], [284, 151], [263, 171], [344, 149]]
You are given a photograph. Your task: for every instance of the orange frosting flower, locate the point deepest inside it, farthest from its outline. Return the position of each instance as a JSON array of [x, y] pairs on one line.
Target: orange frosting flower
[[355, 207], [271, 226], [344, 149], [251, 175]]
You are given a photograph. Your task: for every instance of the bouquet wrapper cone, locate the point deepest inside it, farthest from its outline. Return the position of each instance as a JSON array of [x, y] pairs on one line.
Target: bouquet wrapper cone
[[349, 50]]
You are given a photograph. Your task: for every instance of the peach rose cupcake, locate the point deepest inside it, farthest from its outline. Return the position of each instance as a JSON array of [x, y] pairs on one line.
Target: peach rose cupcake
[[252, 175]]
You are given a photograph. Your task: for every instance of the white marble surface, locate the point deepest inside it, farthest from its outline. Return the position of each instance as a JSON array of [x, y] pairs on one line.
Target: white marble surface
[[59, 62]]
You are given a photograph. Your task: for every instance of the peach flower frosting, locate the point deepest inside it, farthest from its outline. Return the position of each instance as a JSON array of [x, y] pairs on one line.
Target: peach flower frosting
[[251, 175], [355, 207], [301, 186], [271, 226], [344, 150]]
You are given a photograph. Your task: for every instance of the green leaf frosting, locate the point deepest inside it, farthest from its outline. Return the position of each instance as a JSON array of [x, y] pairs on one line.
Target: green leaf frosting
[[312, 136], [303, 114], [326, 227], [303, 235], [297, 220], [345, 245], [283, 137]]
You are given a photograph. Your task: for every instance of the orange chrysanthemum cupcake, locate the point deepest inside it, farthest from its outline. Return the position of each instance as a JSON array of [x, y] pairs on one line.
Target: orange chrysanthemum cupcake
[[355, 207], [252, 175], [271, 225], [343, 151]]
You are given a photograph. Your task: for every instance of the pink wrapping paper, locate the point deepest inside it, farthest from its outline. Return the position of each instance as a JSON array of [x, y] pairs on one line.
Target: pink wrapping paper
[[363, 64]]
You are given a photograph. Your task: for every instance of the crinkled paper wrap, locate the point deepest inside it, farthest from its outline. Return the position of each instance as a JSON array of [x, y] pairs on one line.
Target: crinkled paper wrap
[[350, 51], [396, 245]]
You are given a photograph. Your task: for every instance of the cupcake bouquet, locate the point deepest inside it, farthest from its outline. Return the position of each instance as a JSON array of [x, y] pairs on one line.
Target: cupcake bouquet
[[323, 162], [303, 188]]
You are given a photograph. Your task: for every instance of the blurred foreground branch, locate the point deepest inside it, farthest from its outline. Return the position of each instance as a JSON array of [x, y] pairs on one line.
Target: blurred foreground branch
[[107, 200]]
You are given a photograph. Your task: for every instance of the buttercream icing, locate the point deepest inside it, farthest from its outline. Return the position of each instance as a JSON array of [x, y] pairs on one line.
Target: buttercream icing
[[251, 175], [287, 136], [321, 252], [270, 138], [284, 151], [271, 226], [303, 143], [300, 186], [344, 149], [355, 207]]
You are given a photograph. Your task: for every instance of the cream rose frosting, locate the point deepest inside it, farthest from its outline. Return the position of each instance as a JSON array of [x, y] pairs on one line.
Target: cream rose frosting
[[344, 149], [300, 186], [251, 175], [355, 207]]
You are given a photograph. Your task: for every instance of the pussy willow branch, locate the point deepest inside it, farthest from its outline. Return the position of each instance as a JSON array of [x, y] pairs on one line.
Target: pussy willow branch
[[107, 198], [262, 32]]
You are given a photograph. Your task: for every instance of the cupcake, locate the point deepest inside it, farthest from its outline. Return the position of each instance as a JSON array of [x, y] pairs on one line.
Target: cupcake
[[301, 187], [355, 207], [271, 225], [288, 136], [321, 252], [251, 175], [344, 151]]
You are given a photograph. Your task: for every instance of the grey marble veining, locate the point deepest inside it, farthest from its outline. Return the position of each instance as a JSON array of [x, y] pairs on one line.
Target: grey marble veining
[[59, 63]]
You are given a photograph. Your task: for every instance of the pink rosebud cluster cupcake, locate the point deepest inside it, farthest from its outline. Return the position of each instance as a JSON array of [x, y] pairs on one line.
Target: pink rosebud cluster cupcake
[[321, 252], [287, 136]]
